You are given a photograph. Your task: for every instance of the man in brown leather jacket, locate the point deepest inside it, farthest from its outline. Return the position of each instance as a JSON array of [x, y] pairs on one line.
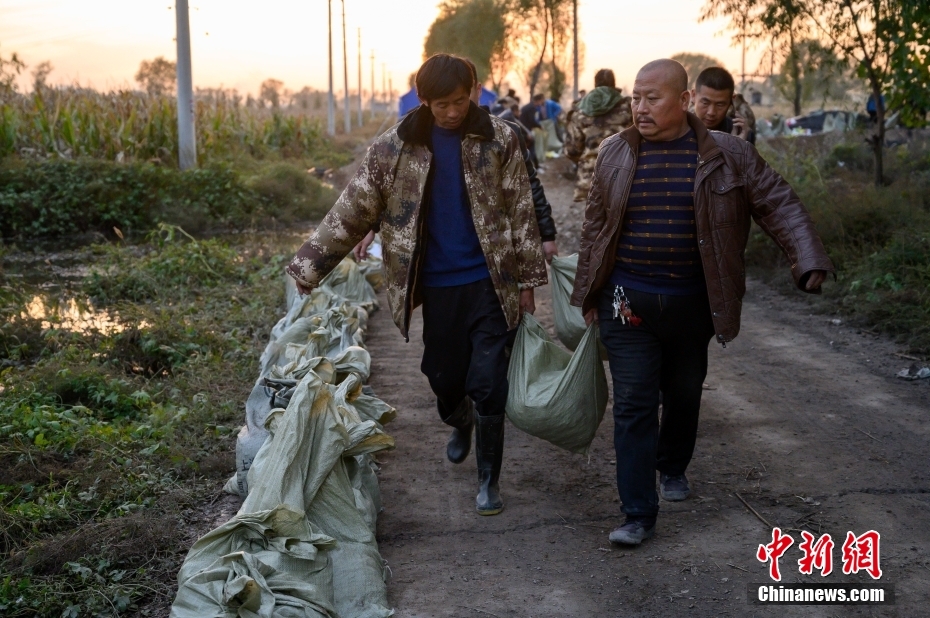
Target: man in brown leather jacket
[[662, 270]]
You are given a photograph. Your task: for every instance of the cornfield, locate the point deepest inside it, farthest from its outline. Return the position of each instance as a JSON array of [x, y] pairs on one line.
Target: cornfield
[[133, 126]]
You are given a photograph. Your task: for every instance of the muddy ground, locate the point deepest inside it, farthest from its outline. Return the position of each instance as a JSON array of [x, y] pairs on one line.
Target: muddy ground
[[801, 417]]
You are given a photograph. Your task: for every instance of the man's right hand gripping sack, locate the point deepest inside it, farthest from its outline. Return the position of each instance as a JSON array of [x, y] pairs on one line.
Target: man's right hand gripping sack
[[554, 394]]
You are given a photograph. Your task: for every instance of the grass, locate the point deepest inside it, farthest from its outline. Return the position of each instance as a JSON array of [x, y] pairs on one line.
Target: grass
[[877, 237], [111, 438]]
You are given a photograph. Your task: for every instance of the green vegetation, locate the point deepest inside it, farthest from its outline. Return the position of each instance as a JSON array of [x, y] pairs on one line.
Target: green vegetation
[[60, 198], [132, 126], [112, 432], [75, 161], [878, 237]]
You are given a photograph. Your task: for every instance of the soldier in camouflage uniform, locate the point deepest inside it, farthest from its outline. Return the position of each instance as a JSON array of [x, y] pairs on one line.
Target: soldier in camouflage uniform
[[450, 189], [601, 113]]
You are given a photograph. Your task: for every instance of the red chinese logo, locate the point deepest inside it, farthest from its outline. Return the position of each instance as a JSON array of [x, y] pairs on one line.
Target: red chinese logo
[[817, 555], [773, 551], [860, 553]]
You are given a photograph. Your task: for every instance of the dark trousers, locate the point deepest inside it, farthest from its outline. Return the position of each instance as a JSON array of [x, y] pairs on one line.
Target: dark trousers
[[667, 352], [466, 347]]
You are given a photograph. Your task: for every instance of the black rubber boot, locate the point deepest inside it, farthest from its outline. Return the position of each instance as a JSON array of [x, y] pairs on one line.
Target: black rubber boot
[[462, 422], [489, 451]]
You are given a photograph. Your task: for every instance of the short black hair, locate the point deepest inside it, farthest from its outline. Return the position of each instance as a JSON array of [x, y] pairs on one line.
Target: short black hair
[[539, 97], [605, 77], [715, 78], [443, 74], [474, 69]]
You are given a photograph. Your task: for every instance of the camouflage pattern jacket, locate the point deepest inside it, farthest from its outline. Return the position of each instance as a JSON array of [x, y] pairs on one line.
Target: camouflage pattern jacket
[[391, 188], [584, 136]]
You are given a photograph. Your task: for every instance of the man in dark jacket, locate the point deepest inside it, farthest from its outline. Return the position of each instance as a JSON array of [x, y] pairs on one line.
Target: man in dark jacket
[[719, 108], [661, 268]]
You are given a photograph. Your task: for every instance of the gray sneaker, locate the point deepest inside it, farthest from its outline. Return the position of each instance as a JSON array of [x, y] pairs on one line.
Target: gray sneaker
[[633, 531], [674, 488]]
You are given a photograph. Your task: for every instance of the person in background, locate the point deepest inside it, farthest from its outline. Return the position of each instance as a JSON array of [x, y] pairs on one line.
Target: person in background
[[530, 116], [601, 113], [464, 246], [713, 99], [541, 204], [662, 269], [554, 113]]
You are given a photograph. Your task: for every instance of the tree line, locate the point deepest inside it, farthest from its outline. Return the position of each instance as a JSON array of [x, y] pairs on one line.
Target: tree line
[[532, 38]]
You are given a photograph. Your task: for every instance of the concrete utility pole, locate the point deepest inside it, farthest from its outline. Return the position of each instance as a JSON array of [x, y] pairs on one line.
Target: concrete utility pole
[[345, 72], [575, 49], [331, 109], [187, 139], [372, 108], [360, 77]]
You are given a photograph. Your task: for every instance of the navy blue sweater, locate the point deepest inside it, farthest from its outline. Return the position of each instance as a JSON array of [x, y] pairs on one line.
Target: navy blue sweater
[[453, 252], [657, 251]]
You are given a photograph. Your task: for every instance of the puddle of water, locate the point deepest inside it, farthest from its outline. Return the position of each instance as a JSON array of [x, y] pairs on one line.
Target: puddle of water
[[71, 315]]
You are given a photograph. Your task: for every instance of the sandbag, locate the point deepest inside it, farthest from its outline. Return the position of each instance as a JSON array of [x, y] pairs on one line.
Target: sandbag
[[555, 395], [569, 321], [303, 543]]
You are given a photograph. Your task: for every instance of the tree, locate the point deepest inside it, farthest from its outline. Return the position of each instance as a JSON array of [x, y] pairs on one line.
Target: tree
[[40, 75], [531, 37], [474, 29], [812, 72], [542, 26], [270, 91], [886, 40], [781, 23], [158, 76], [695, 63], [9, 71]]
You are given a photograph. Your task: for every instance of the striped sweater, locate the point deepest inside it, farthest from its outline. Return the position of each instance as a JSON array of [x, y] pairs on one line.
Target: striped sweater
[[657, 251]]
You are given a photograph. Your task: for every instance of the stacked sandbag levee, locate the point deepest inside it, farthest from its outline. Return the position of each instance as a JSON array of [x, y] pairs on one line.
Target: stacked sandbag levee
[[303, 543]]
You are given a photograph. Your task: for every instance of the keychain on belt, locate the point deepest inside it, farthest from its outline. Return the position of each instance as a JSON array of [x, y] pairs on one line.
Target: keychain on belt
[[622, 309]]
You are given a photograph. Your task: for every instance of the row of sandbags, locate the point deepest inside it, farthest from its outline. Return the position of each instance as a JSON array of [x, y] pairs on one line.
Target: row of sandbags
[[303, 542]]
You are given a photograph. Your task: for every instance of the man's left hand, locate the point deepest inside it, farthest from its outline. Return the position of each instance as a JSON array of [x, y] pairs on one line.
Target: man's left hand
[[815, 280], [527, 302], [550, 249]]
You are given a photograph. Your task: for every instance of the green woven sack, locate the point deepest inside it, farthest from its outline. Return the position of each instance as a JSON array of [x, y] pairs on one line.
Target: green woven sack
[[556, 395], [569, 322]]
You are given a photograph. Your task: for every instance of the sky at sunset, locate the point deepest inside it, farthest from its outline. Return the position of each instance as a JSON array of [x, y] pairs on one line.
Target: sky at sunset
[[238, 44]]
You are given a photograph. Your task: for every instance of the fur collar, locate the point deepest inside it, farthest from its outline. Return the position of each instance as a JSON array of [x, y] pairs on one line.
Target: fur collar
[[417, 127]]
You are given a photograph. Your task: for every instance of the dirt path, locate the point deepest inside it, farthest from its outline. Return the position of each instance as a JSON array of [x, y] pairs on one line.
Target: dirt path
[[802, 418]]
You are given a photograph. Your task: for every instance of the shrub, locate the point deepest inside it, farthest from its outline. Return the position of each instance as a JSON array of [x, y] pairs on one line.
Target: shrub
[[60, 198]]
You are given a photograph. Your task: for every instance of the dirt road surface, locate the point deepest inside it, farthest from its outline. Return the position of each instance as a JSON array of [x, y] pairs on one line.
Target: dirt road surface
[[802, 418]]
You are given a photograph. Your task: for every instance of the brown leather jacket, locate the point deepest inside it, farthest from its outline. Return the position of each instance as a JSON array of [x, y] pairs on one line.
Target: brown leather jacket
[[732, 182]]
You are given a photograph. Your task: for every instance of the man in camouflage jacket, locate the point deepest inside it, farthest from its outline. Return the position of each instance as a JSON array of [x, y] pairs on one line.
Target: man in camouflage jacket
[[470, 314], [601, 113]]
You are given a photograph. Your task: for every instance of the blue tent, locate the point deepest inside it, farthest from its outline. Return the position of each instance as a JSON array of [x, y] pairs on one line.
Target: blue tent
[[488, 97], [408, 102]]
